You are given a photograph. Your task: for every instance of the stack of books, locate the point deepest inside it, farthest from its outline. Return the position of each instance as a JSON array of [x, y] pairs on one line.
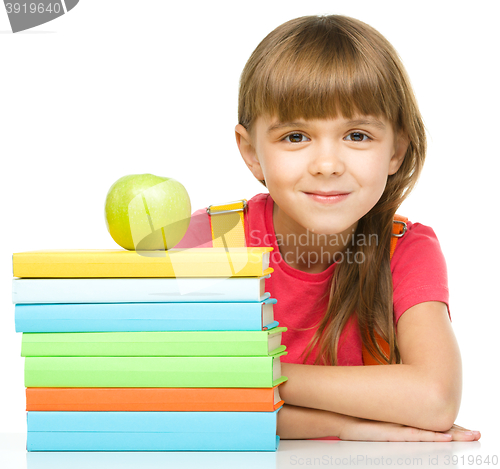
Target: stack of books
[[151, 351]]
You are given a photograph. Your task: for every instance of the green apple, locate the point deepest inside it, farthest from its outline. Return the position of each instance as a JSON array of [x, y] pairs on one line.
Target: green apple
[[147, 212]]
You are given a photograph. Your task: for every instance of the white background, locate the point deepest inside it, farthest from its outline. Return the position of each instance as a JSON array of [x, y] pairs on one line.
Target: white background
[[118, 87]]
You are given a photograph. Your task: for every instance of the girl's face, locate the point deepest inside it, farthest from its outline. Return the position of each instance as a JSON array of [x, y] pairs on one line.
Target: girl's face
[[323, 174]]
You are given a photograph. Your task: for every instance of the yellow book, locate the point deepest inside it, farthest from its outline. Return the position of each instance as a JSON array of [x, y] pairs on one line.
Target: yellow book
[[95, 263]]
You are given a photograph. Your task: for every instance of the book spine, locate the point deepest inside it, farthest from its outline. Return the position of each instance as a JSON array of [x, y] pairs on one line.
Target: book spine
[[210, 372], [29, 291], [120, 264], [149, 431], [109, 317], [150, 344], [119, 441], [152, 399]]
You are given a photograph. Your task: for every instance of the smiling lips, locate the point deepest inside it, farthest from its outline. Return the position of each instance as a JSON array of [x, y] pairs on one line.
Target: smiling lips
[[327, 193], [330, 197]]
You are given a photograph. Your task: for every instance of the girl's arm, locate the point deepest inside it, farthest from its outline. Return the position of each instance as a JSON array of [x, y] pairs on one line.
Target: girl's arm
[[423, 392], [297, 423]]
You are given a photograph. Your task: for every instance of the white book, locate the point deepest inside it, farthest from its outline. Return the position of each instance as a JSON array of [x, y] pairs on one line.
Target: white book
[[138, 290]]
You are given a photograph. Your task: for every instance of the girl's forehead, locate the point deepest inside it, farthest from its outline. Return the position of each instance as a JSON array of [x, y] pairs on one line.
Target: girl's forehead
[[272, 123]]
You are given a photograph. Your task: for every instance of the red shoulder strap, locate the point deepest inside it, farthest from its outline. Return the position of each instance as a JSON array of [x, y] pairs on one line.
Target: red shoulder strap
[[398, 230]]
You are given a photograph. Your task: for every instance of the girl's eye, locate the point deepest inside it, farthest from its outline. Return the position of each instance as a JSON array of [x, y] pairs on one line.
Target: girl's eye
[[358, 137], [295, 138]]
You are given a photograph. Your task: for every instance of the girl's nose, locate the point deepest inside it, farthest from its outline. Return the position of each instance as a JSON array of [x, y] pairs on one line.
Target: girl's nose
[[327, 161]]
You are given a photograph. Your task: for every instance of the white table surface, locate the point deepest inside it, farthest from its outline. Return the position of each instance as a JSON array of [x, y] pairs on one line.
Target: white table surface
[[291, 453]]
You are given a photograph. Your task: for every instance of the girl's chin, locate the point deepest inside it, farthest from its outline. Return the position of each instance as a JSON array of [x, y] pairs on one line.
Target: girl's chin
[[338, 227], [321, 230]]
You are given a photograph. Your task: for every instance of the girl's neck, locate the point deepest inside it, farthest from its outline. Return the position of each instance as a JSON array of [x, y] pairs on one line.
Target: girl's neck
[[307, 251]]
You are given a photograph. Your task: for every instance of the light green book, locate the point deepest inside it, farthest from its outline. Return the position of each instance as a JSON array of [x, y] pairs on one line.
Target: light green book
[[153, 372], [154, 344]]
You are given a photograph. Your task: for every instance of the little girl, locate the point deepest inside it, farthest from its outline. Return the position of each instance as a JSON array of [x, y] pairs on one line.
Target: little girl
[[328, 122]]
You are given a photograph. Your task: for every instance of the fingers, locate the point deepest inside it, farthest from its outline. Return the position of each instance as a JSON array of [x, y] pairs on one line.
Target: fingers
[[396, 432], [417, 434], [456, 433], [369, 430], [463, 434]]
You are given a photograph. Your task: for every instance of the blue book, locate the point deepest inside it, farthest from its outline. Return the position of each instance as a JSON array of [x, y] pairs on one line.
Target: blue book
[[152, 459], [145, 317], [152, 431]]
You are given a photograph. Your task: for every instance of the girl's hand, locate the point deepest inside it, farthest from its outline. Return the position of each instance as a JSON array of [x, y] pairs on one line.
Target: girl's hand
[[355, 429], [462, 434]]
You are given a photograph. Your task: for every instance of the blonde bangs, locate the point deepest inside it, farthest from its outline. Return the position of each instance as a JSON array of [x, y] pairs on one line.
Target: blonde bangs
[[309, 69]]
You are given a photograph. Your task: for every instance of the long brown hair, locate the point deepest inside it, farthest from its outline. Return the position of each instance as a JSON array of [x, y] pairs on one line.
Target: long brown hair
[[323, 67]]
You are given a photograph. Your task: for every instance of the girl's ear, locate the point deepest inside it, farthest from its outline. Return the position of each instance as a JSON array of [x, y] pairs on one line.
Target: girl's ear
[[400, 147], [247, 150]]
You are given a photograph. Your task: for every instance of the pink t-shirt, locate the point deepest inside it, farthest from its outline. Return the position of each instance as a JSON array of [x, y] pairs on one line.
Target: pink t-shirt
[[418, 271]]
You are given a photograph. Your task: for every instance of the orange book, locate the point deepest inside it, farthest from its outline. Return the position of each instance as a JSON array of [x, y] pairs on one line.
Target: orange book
[[154, 399]]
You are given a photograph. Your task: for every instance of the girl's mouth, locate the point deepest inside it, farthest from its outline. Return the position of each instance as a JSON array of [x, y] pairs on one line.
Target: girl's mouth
[[327, 197]]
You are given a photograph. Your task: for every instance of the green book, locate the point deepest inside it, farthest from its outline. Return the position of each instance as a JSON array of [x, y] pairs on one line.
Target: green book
[[153, 372], [154, 344]]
